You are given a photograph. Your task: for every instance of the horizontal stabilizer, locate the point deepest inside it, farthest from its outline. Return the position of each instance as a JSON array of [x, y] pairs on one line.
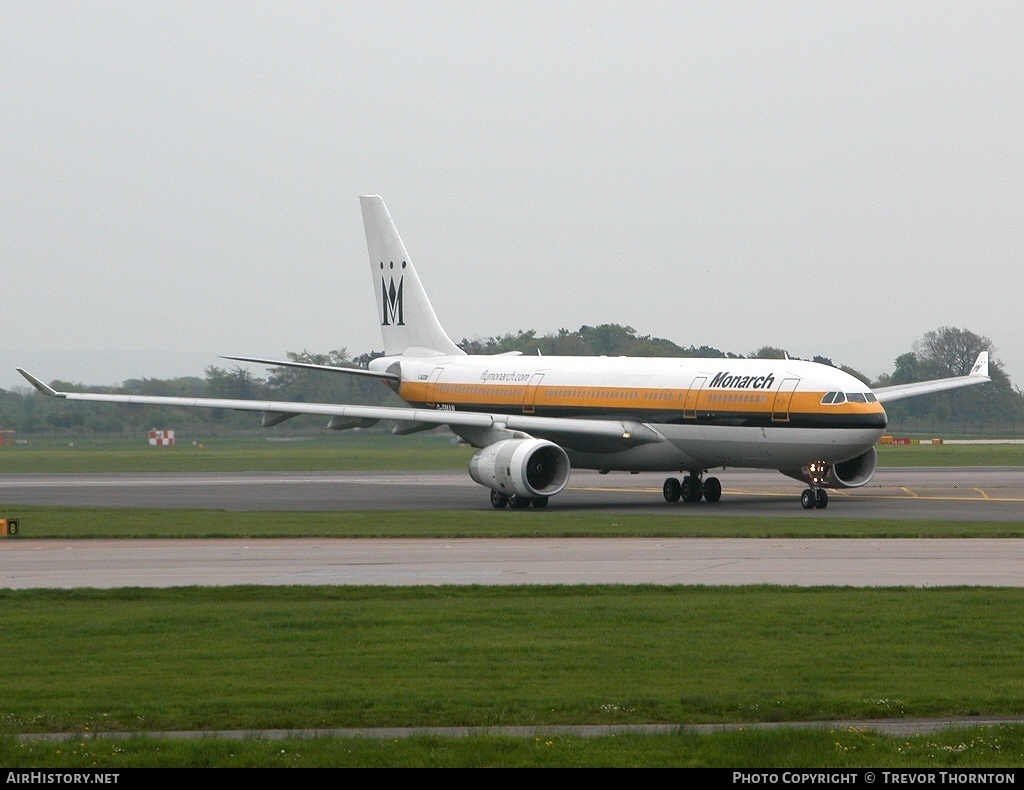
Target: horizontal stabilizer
[[353, 371]]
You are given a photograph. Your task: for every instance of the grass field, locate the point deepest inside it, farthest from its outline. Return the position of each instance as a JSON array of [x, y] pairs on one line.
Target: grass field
[[359, 452], [149, 660], [73, 522], [348, 452], [951, 455], [298, 657], [986, 747]]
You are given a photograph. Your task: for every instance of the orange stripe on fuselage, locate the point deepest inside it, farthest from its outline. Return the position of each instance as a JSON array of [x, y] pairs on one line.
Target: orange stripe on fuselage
[[477, 397]]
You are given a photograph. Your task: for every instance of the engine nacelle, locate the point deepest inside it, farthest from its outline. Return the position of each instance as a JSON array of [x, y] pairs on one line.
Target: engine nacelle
[[846, 474], [527, 467], [855, 472]]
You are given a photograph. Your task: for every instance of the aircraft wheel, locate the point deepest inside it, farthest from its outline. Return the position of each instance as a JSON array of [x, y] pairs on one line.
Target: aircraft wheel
[[517, 502], [807, 499], [671, 489], [498, 500], [540, 501], [712, 489], [692, 489], [820, 498]]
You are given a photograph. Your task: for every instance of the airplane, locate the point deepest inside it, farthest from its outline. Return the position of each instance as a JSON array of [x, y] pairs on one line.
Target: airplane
[[534, 418]]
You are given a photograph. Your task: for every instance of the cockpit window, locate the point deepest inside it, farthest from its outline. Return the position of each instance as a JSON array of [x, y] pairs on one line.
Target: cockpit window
[[836, 398]]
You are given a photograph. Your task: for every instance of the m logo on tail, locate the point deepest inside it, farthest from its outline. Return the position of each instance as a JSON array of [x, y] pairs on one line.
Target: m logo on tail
[[392, 302]]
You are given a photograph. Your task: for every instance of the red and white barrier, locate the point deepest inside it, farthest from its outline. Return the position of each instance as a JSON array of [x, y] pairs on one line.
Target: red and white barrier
[[161, 438]]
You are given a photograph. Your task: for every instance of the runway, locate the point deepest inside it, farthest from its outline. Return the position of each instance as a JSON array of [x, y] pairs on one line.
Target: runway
[[28, 564], [965, 494]]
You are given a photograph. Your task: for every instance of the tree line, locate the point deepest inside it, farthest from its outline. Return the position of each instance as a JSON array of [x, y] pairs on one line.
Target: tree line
[[946, 351]]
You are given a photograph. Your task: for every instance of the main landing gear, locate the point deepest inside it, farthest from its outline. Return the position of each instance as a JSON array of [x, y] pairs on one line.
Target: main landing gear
[[516, 502], [814, 498], [692, 489]]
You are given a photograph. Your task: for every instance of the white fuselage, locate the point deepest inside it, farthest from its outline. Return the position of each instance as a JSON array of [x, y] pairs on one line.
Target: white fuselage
[[708, 412]]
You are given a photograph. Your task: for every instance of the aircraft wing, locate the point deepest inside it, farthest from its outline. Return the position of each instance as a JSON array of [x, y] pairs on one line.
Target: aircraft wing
[[978, 375], [621, 433]]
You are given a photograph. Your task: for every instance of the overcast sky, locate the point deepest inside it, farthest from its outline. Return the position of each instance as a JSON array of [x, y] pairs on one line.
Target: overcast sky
[[180, 180]]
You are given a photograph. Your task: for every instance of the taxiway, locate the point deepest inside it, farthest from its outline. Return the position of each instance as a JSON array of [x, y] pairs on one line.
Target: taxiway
[[965, 494]]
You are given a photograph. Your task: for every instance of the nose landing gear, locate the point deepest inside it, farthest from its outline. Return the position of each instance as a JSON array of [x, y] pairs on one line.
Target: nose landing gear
[[814, 498]]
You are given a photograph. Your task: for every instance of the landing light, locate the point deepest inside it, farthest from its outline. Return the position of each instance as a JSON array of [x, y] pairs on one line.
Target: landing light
[[817, 471]]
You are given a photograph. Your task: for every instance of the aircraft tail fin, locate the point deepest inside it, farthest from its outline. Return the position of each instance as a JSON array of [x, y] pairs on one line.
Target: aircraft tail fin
[[408, 323]]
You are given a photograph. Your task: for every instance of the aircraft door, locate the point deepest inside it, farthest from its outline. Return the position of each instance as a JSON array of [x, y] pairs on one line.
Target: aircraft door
[[692, 394], [530, 395], [435, 374], [783, 398]]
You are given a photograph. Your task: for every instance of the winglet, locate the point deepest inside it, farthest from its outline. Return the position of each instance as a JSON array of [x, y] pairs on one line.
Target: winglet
[[980, 368], [46, 389]]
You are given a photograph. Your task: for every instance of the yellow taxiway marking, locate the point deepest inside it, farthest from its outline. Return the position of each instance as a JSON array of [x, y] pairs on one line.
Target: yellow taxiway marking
[[613, 489], [908, 494], [984, 498]]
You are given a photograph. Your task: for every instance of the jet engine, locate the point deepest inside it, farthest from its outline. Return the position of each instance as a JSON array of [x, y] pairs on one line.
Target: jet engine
[[523, 467], [847, 474]]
